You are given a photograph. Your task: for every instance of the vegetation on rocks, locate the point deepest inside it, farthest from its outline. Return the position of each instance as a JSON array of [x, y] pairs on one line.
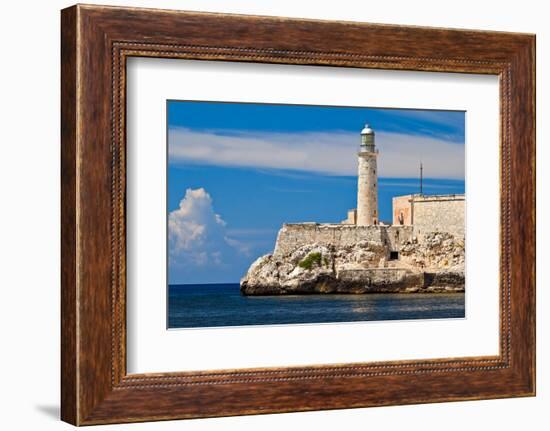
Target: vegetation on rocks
[[311, 260]]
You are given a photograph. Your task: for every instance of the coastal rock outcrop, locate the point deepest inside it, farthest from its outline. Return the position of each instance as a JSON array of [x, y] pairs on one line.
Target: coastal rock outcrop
[[438, 250], [435, 264]]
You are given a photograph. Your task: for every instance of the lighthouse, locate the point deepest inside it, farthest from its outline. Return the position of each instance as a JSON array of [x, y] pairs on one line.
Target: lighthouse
[[367, 180]]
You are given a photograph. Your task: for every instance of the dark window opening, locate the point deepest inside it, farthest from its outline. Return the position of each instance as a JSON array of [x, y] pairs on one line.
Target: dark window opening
[[401, 218], [394, 255]]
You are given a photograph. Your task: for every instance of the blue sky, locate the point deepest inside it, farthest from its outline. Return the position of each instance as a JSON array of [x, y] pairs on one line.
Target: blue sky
[[237, 172]]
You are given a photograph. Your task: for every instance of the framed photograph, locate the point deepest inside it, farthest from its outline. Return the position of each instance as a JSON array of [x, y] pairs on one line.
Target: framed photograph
[[264, 215]]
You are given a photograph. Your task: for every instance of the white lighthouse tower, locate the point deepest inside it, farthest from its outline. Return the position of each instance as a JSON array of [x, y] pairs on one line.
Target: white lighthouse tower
[[367, 180]]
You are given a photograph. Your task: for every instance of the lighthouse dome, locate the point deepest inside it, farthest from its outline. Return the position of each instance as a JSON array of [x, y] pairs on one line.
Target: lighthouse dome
[[367, 130]]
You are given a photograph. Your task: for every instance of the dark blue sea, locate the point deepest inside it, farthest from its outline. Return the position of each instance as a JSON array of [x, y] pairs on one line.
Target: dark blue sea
[[210, 305]]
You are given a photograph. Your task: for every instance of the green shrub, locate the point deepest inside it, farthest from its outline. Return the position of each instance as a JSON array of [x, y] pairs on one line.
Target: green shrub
[[310, 260]]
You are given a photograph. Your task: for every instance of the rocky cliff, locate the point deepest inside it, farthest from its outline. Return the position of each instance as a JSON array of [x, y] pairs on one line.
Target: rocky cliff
[[436, 264]]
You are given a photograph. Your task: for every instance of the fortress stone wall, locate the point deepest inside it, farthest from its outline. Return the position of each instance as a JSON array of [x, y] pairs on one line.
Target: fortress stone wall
[[431, 213], [439, 214], [293, 236], [402, 210]]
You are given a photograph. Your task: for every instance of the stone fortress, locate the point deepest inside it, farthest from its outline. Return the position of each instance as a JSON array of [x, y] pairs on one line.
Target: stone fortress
[[421, 250]]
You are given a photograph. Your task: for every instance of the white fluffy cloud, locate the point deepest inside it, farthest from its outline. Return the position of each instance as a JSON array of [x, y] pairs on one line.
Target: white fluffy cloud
[[332, 153], [197, 235]]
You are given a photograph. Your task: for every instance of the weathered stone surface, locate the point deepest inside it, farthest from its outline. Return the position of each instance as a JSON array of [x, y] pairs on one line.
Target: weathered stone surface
[[444, 213], [430, 213], [435, 264], [293, 236], [439, 250]]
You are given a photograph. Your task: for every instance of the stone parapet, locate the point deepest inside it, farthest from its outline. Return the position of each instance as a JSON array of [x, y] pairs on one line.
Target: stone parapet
[[293, 236]]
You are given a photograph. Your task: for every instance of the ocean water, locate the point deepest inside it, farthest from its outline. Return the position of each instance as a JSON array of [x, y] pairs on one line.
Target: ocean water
[[214, 305]]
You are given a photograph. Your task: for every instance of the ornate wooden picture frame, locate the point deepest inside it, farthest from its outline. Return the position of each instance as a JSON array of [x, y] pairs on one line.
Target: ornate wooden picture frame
[[96, 42]]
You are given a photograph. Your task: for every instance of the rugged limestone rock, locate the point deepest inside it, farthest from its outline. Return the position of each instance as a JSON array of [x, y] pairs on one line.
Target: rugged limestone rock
[[434, 265], [437, 250]]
